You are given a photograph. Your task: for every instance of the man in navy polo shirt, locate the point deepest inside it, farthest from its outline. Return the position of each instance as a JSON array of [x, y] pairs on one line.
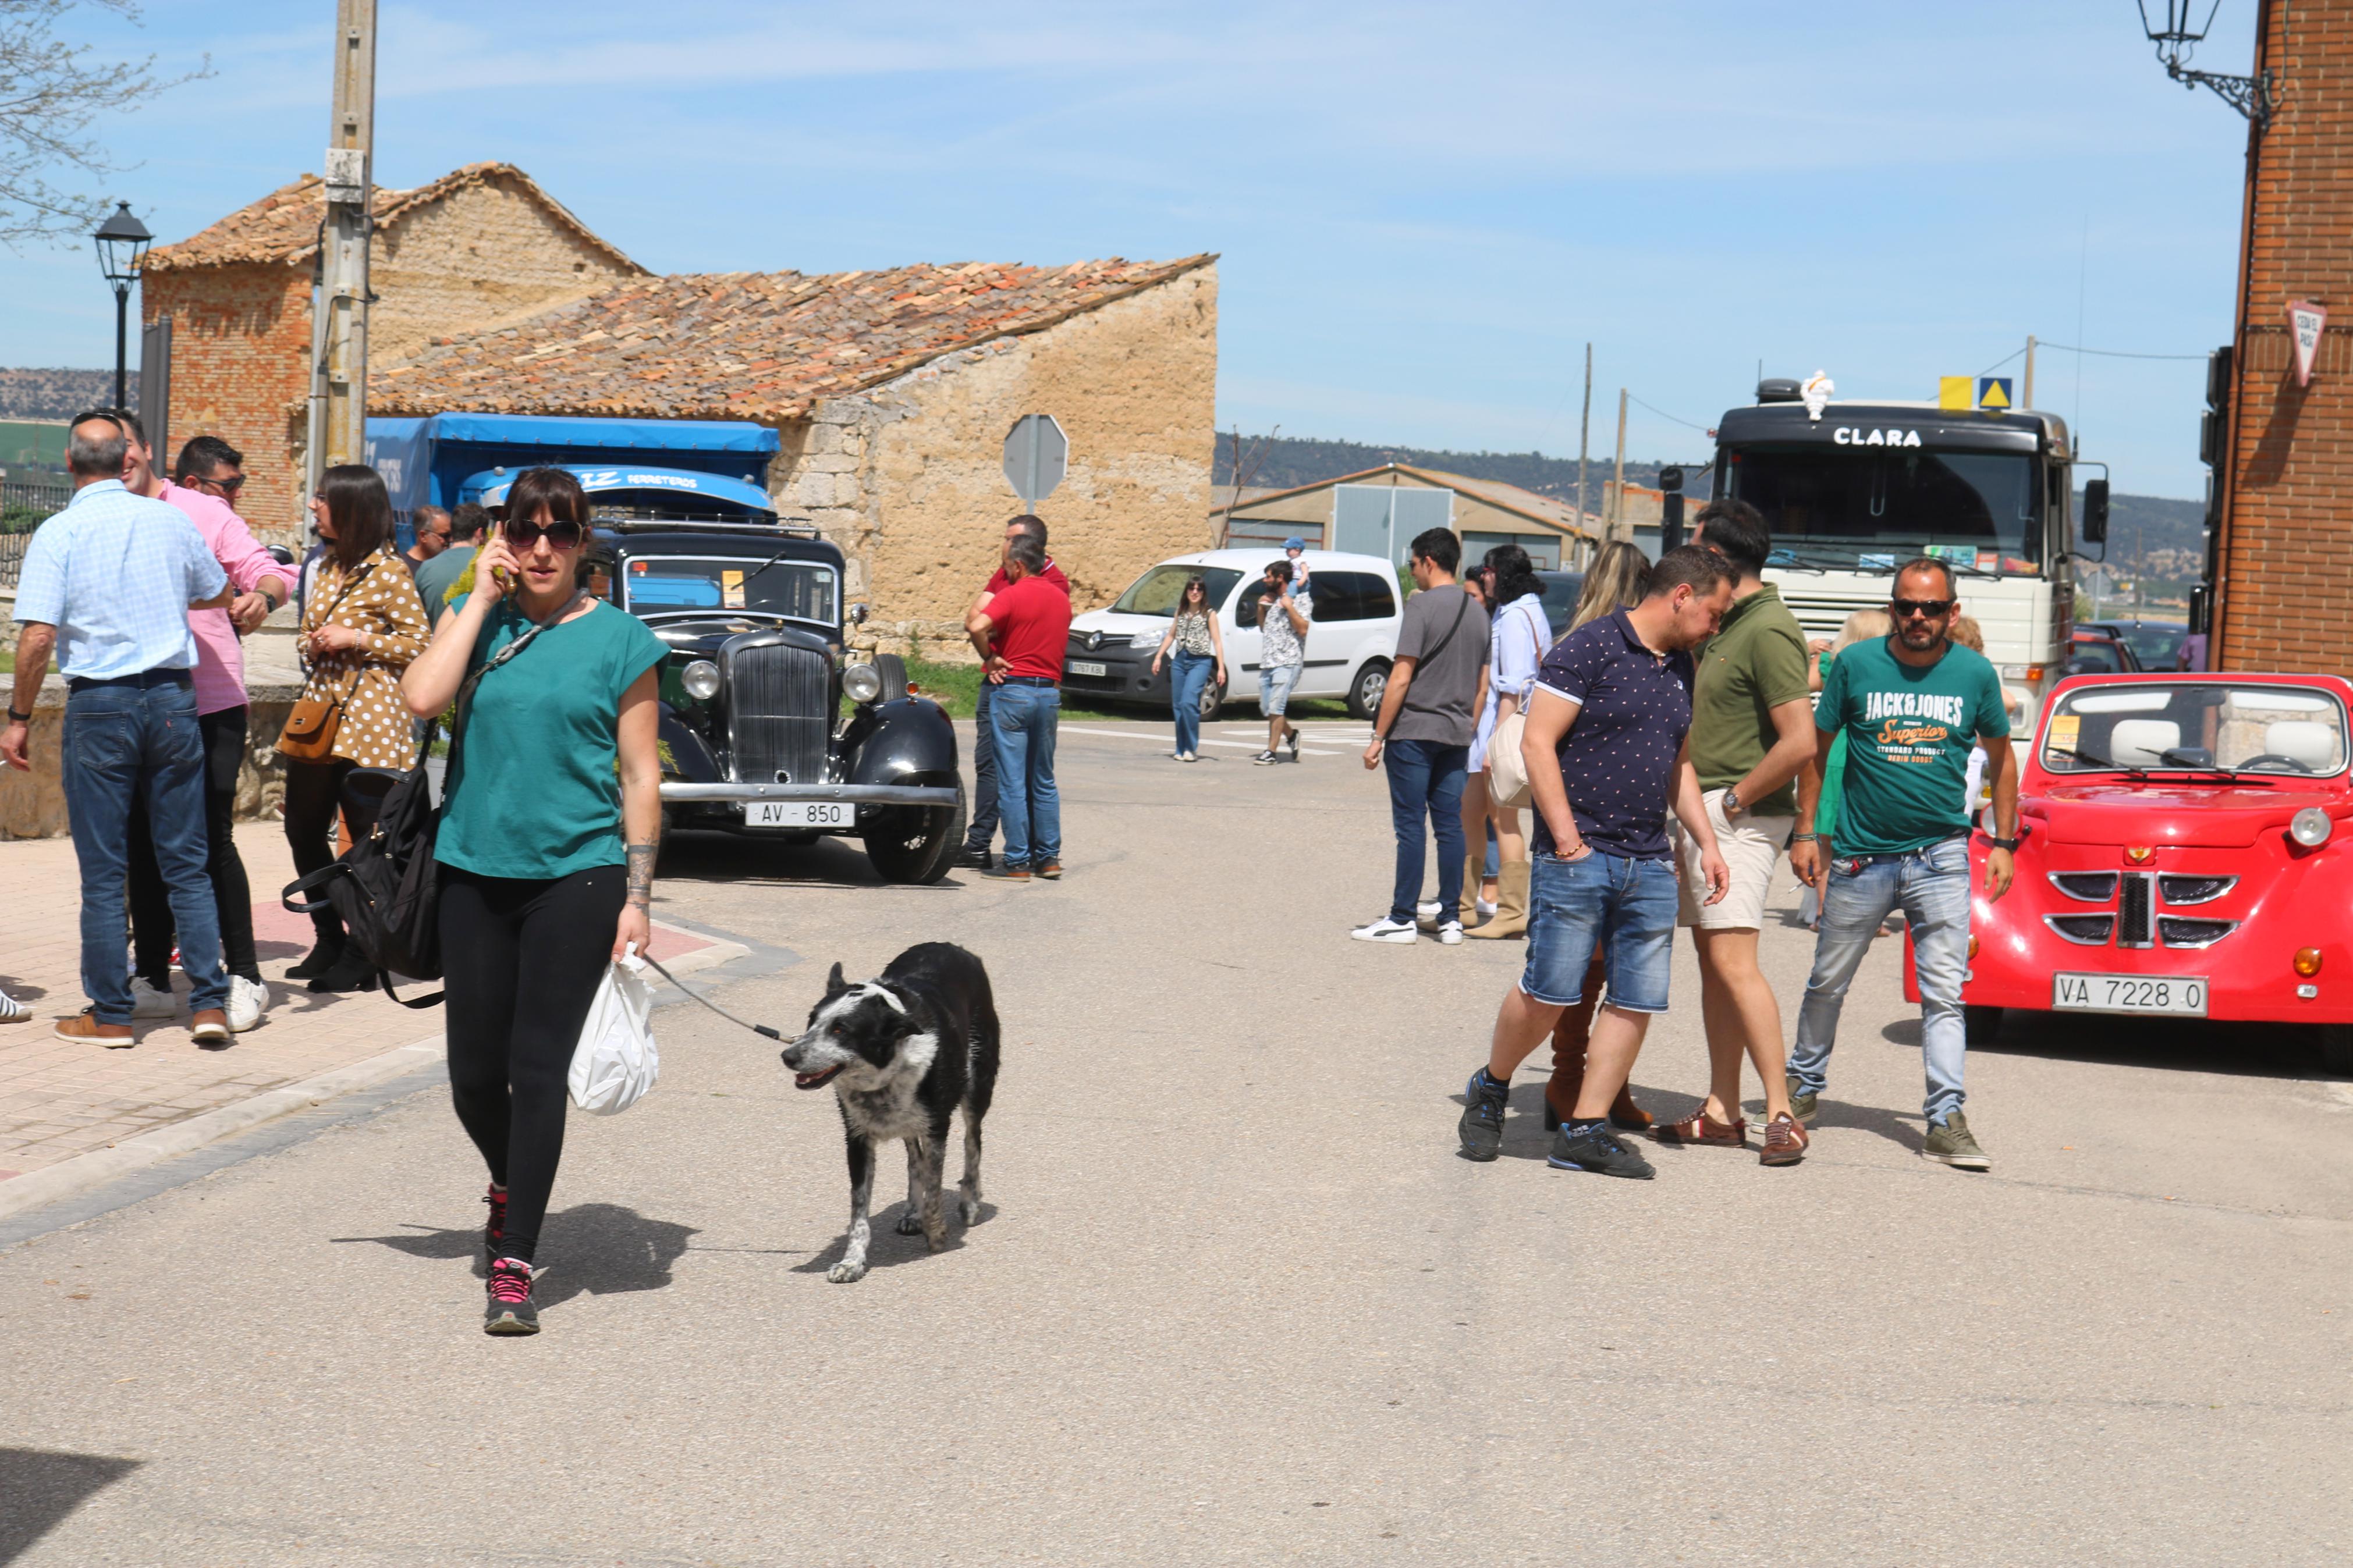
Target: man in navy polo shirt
[[1606, 760]]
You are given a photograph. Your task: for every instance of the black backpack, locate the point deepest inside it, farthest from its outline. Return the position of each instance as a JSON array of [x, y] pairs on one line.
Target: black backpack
[[386, 886]]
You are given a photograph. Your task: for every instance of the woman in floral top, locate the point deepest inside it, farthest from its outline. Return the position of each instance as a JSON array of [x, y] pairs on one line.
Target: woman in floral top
[[362, 624], [1199, 647]]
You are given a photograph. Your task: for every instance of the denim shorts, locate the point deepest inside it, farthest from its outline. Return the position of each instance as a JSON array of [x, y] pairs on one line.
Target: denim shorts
[[1623, 910], [1275, 682]]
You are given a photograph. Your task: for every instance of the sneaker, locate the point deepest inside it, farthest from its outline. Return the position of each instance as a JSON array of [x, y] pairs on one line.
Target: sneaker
[[1429, 909], [248, 1003], [1292, 740], [12, 1010], [494, 1229], [1700, 1129], [1190, 757], [1486, 907], [1387, 930], [973, 859], [1785, 1141], [150, 1001], [1597, 1149], [1007, 871], [1264, 759], [321, 959], [1481, 1127], [1951, 1144], [1449, 932], [208, 1026], [1803, 1102], [1050, 869], [510, 1310], [84, 1029]]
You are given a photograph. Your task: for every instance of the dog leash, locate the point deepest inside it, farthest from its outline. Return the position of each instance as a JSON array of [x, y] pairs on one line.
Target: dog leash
[[755, 1028]]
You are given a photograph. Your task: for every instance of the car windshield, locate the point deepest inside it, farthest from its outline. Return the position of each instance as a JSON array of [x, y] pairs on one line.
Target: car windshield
[[2094, 655], [1155, 593], [2192, 726], [2157, 644], [1869, 509], [800, 590], [1562, 590]]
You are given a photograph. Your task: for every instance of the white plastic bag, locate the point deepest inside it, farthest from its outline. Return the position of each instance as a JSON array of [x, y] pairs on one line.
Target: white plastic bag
[[616, 1062]]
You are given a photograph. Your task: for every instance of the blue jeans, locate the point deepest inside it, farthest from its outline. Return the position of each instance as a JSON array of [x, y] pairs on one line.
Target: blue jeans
[[984, 770], [1932, 886], [1621, 909], [124, 743], [1426, 777], [1188, 677], [1024, 718]]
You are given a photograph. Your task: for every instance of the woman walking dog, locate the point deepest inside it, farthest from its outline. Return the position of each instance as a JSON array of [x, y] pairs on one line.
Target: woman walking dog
[[1200, 648], [548, 832]]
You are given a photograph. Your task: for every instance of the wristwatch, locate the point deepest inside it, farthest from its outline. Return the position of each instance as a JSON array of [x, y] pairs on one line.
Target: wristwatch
[[1731, 800], [2009, 844], [16, 718]]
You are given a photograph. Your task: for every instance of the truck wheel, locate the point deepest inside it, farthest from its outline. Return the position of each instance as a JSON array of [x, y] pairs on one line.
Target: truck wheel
[[2337, 1048], [915, 844], [1981, 1025], [1365, 693], [893, 671]]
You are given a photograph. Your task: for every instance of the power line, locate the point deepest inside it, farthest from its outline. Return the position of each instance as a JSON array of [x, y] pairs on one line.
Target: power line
[[2002, 362], [1664, 414], [2106, 354]]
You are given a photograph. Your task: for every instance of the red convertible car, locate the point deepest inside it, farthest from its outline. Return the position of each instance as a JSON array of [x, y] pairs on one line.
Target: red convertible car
[[2185, 850]]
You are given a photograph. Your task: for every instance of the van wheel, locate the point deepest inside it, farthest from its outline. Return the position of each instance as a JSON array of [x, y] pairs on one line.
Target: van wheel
[[1364, 691], [1981, 1025], [1212, 703], [893, 671], [2337, 1048]]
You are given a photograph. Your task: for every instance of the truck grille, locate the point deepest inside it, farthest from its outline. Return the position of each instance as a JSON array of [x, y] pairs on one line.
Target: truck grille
[[779, 713]]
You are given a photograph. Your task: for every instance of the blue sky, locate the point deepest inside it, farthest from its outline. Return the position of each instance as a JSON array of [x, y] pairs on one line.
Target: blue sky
[[1424, 211]]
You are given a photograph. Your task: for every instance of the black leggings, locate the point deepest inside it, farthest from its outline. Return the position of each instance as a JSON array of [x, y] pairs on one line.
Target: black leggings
[[521, 961], [151, 906], [314, 796]]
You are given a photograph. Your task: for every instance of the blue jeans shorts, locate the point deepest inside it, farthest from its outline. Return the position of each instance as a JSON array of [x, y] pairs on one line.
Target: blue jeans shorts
[[1624, 910], [1275, 683]]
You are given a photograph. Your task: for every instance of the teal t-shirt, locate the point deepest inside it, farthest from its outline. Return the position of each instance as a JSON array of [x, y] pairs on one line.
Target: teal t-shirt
[[534, 792], [1909, 731]]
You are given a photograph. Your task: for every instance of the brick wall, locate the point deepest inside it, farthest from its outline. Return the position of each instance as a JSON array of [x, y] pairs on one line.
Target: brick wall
[[240, 348], [2284, 598]]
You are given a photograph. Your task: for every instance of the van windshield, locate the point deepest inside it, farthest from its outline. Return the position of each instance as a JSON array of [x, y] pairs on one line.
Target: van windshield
[[1156, 592]]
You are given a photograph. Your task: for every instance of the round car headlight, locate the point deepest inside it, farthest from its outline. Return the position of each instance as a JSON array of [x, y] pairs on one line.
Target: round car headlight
[[861, 682], [700, 679], [2310, 827]]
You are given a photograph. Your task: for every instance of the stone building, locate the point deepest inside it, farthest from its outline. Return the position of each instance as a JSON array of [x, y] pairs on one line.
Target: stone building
[[892, 392], [476, 247], [2281, 597]]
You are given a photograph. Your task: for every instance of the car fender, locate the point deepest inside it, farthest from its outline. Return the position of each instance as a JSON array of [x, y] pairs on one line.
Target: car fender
[[685, 755], [892, 741]]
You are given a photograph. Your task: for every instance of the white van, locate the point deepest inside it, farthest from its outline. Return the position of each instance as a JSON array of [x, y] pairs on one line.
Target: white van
[[1351, 637]]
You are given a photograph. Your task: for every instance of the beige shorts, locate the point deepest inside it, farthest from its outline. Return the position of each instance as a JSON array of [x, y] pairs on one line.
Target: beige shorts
[[1750, 848]]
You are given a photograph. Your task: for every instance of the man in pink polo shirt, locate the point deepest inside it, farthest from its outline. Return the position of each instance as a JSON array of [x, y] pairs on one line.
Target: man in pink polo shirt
[[262, 585]]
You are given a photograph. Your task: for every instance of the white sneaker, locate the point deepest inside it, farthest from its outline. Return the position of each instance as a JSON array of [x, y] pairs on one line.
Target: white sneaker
[[1429, 908], [146, 1002], [248, 1003], [12, 1010], [1451, 932], [1484, 908], [1387, 930]]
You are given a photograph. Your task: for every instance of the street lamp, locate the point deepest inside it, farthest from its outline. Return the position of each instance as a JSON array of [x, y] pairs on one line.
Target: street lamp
[[122, 239], [2177, 39]]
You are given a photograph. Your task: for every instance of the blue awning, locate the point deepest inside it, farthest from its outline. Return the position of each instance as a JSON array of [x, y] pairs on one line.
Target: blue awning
[[652, 435], [490, 486]]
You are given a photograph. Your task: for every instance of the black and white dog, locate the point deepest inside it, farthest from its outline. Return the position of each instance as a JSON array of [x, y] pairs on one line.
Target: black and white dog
[[904, 1052]]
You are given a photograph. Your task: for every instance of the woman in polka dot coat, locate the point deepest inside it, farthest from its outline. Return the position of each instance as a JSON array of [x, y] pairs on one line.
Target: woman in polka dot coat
[[362, 624]]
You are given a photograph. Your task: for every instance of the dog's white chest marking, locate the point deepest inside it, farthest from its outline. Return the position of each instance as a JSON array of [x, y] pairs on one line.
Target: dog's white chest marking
[[885, 1105]]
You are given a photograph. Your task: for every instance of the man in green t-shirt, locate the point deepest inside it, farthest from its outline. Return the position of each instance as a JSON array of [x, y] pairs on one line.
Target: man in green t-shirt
[[1911, 709], [1752, 732]]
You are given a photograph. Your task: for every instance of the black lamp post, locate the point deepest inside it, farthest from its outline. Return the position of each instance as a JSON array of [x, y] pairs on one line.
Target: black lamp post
[[122, 239], [2177, 39]]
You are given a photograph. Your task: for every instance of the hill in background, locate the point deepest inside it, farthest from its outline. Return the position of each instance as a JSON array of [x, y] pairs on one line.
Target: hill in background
[[59, 393]]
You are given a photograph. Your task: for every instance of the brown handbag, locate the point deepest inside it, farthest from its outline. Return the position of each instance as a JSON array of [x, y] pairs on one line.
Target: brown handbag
[[312, 727]]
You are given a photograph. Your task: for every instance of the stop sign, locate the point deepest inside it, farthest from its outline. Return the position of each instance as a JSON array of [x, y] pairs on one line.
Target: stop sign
[[1037, 455]]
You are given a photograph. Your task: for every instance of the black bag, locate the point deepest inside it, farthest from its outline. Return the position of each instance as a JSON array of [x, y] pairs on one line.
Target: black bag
[[386, 886]]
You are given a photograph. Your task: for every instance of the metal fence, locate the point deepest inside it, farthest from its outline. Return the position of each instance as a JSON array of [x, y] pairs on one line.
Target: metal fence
[[12, 556], [23, 504]]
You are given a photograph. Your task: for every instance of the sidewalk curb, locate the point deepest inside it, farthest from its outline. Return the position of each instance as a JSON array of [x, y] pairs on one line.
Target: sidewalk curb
[[83, 1172]]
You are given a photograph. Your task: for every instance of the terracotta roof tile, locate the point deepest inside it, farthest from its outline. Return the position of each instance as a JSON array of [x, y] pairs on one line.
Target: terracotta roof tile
[[763, 346], [282, 227]]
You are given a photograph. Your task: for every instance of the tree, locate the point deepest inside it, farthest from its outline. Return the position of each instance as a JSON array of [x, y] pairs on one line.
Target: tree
[[50, 92]]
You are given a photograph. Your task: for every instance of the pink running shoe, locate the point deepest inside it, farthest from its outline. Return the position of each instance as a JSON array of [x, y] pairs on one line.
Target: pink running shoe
[[511, 1311]]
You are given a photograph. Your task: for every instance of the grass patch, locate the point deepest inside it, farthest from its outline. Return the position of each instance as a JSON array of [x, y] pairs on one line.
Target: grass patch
[[8, 662]]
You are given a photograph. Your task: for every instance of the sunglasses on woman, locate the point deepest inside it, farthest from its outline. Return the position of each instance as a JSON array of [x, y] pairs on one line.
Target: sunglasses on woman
[[522, 535]]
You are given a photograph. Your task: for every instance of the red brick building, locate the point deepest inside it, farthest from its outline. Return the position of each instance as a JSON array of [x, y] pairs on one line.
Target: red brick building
[[2283, 594]]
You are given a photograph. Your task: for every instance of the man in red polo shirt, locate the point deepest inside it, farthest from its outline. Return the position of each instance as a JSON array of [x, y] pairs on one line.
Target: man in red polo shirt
[[975, 853], [1028, 624]]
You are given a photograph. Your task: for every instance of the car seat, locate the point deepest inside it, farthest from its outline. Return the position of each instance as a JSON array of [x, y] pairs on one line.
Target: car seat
[[2143, 743], [2313, 745]]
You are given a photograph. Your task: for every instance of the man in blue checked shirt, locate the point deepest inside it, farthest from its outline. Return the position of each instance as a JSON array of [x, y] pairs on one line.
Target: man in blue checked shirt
[[107, 584]]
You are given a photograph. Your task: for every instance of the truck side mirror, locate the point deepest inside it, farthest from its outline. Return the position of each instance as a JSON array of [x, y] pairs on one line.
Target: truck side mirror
[[2095, 511]]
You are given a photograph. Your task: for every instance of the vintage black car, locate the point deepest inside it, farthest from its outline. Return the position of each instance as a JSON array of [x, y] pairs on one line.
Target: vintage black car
[[769, 724]]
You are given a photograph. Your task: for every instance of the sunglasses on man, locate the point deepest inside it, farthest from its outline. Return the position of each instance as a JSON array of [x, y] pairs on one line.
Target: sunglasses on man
[[228, 487], [1927, 609], [522, 535]]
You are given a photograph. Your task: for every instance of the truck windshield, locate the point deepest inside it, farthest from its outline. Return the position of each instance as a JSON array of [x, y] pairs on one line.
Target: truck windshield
[[799, 590], [1156, 592], [1868, 509]]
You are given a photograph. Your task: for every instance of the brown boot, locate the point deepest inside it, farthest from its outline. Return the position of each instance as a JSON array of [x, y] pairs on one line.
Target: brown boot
[[1511, 902], [1568, 1040], [1466, 908]]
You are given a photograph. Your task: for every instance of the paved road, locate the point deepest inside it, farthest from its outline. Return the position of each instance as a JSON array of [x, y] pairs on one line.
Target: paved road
[[1234, 1299]]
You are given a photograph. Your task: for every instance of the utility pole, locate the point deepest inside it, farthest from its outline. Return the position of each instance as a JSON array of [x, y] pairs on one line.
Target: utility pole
[[1584, 436], [343, 251], [2028, 401], [1618, 527]]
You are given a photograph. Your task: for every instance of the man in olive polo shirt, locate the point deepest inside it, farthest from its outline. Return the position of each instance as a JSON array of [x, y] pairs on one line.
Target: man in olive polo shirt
[[1751, 735]]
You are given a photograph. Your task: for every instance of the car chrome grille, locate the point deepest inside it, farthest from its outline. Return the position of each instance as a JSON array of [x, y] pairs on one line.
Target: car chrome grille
[[2089, 887], [2180, 931], [2180, 890], [2088, 931], [779, 714], [2135, 909]]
